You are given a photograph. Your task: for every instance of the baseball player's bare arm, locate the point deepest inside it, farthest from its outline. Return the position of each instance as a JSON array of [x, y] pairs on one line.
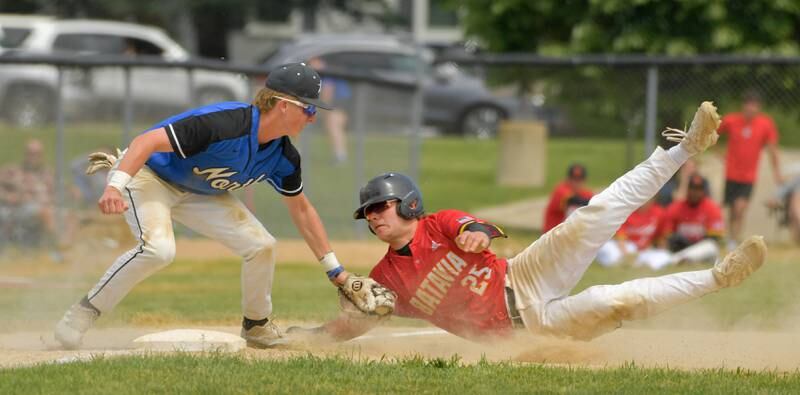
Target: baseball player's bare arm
[[307, 221], [137, 154]]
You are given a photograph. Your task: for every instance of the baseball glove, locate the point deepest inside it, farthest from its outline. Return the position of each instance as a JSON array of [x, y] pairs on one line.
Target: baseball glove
[[366, 295], [101, 161]]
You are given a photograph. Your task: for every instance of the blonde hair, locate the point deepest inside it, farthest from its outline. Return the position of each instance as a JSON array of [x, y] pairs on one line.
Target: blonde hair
[[266, 98]]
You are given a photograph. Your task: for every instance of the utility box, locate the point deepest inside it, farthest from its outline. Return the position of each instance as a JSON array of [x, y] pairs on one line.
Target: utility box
[[522, 155]]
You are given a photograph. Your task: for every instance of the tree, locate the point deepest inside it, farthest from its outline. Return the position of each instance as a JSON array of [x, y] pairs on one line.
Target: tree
[[596, 98], [634, 26]]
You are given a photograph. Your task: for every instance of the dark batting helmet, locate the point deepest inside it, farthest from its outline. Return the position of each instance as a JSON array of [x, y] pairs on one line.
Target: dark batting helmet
[[392, 186]]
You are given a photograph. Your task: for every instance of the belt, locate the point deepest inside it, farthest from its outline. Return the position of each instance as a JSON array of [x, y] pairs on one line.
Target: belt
[[513, 313]]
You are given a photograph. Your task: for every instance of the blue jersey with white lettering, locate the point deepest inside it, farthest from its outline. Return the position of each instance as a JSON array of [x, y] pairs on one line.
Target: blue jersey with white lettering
[[216, 149]]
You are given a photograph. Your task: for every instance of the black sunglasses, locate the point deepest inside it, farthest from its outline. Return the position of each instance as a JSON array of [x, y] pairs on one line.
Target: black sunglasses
[[377, 208]]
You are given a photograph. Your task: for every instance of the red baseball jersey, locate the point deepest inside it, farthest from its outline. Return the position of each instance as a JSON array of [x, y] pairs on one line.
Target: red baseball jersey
[[643, 226], [746, 138], [563, 201], [694, 223], [462, 293]]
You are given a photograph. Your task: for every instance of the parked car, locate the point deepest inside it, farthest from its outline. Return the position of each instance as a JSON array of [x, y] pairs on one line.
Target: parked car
[[454, 101], [27, 91]]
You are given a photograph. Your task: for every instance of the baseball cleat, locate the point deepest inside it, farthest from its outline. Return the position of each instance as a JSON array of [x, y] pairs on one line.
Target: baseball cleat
[[76, 321], [741, 262], [702, 132], [263, 336]]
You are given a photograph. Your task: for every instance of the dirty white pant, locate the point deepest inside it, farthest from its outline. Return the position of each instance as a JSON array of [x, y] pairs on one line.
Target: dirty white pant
[[152, 204], [543, 275]]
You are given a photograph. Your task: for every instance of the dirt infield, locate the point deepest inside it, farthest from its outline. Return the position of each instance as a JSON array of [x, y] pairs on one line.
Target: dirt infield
[[645, 348]]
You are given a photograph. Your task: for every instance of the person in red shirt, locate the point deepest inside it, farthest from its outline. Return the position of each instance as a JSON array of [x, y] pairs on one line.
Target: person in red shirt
[[748, 132], [693, 228], [568, 196], [442, 270], [637, 235]]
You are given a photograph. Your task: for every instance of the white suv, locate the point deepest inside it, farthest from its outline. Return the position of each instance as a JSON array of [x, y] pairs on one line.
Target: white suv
[[27, 92]]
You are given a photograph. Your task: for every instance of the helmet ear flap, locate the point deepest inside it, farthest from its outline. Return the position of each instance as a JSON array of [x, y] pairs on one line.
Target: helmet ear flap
[[410, 206]]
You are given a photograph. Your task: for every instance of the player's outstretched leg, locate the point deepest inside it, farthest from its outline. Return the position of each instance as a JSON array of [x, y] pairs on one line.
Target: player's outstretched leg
[[149, 219], [554, 263], [76, 321], [601, 309]]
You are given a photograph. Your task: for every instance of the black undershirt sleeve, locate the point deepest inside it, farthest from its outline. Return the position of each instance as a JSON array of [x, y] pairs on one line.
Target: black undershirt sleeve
[[192, 135], [491, 230], [294, 180]]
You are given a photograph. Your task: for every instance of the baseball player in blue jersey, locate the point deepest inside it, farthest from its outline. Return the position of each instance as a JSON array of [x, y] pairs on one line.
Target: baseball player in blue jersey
[[185, 169]]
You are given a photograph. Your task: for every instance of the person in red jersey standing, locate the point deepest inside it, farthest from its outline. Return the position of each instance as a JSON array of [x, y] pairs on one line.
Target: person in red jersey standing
[[568, 196], [442, 270], [748, 132]]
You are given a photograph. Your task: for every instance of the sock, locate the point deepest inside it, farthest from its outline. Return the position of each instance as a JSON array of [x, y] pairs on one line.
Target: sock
[[679, 154], [248, 323]]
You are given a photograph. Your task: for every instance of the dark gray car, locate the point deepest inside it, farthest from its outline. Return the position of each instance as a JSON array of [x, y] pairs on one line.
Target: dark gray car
[[453, 101]]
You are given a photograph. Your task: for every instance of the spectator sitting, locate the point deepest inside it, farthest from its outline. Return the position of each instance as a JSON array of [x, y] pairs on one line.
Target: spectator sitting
[[568, 196], [694, 226], [27, 213], [637, 237]]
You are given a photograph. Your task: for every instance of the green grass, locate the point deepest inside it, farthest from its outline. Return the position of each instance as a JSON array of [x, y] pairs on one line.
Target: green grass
[[219, 374], [458, 173], [455, 173]]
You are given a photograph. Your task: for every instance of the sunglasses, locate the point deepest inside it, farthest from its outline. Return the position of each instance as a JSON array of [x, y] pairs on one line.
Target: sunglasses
[[378, 208], [308, 109]]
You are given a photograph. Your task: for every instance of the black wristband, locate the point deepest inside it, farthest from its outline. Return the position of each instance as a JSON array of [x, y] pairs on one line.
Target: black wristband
[[491, 230]]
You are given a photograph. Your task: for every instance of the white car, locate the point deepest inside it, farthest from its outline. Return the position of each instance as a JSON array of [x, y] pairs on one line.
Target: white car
[[27, 92]]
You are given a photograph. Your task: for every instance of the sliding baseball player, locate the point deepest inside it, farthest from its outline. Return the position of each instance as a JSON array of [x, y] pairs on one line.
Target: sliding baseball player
[[442, 270]]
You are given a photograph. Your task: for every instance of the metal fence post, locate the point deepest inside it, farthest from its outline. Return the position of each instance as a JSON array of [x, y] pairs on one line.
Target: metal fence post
[[127, 109], [360, 132], [60, 165], [415, 142], [651, 110]]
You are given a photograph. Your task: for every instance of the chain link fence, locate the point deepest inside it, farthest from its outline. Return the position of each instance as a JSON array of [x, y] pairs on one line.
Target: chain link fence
[[76, 106], [608, 96]]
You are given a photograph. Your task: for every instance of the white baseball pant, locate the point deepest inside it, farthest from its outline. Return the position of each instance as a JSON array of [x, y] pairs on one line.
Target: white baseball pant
[[543, 275], [152, 204]]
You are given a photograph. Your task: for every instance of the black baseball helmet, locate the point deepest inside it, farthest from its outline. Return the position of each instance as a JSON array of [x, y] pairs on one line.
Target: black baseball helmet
[[298, 80], [392, 186]]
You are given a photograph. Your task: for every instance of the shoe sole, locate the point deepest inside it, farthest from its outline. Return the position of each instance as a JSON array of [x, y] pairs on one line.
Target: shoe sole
[[752, 260], [708, 118]]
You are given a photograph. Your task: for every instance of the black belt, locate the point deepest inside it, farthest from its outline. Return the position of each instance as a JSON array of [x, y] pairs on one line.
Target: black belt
[[513, 313]]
